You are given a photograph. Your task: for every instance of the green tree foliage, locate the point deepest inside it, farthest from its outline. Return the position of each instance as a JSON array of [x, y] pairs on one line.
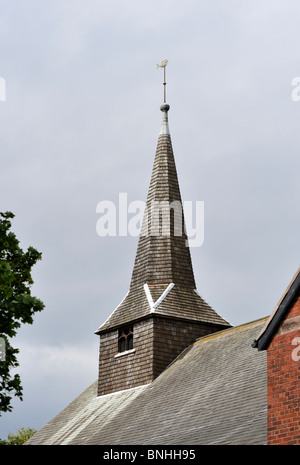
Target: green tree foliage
[[22, 435], [17, 305]]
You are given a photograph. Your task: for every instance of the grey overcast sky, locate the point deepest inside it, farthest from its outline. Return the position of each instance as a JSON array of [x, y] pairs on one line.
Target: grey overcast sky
[[80, 125]]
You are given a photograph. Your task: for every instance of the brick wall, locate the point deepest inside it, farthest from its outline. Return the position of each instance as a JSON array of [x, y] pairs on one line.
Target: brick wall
[[283, 360], [156, 343]]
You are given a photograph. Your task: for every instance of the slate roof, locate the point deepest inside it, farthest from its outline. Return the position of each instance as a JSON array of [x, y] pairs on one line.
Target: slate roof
[[215, 392], [163, 259]]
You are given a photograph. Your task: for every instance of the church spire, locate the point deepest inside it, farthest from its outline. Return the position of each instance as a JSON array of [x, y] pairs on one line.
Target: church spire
[[163, 256], [162, 313], [163, 265]]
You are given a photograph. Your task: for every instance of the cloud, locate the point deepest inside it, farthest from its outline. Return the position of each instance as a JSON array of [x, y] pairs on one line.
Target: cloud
[[46, 361], [51, 376]]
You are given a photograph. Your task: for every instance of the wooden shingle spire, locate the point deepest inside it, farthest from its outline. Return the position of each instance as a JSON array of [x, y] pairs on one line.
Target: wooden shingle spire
[[162, 313], [162, 279], [162, 254]]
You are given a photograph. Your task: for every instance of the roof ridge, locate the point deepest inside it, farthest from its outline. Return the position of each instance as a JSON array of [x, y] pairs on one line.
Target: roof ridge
[[232, 329], [219, 334]]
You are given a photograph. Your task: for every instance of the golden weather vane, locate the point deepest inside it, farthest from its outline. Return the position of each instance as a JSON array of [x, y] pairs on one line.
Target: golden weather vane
[[163, 65]]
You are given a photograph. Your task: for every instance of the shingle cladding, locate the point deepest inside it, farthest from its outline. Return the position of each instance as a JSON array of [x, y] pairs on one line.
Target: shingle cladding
[[187, 304], [180, 303], [215, 392], [162, 290], [163, 256]]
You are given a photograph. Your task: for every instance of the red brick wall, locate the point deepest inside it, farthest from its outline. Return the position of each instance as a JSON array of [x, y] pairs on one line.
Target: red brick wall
[[283, 361]]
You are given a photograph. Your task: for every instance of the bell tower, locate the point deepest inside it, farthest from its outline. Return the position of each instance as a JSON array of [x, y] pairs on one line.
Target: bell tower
[[162, 312]]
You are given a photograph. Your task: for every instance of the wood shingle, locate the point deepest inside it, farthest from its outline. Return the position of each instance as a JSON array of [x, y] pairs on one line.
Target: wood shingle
[[163, 256]]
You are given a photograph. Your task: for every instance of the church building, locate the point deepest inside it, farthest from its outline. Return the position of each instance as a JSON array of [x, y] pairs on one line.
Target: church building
[[171, 369]]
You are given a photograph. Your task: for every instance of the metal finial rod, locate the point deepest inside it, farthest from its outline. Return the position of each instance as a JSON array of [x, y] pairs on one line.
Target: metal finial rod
[[165, 84], [163, 65]]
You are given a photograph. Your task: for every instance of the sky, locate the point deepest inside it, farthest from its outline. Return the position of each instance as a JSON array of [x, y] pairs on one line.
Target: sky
[[79, 125]]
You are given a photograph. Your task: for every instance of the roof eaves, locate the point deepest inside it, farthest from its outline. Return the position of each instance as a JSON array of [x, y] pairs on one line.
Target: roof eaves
[[264, 338], [107, 319]]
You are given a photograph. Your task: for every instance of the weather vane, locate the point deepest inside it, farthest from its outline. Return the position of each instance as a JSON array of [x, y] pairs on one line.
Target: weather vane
[[163, 65]]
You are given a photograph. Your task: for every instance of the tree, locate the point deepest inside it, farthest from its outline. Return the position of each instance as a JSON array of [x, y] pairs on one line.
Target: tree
[[22, 435], [17, 305]]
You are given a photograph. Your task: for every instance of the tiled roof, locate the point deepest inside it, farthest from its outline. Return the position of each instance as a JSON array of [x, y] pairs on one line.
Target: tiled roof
[[215, 392], [163, 259]]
